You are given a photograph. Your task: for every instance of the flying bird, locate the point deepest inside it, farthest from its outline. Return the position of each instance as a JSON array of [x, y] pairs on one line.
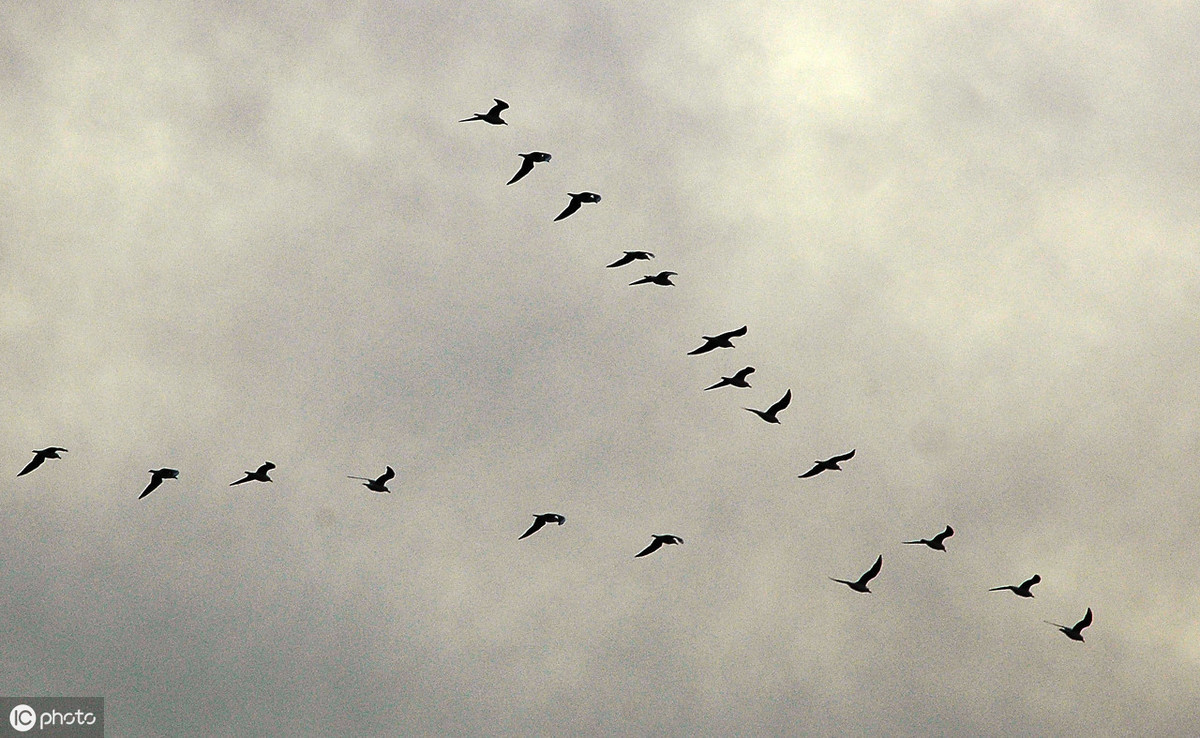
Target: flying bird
[[541, 520], [577, 199], [861, 584], [771, 413], [737, 380], [379, 484], [830, 464], [721, 340], [938, 542], [492, 116], [1022, 590], [527, 164], [662, 278], [258, 475], [156, 478], [40, 456], [1075, 632], [630, 257], [657, 543]]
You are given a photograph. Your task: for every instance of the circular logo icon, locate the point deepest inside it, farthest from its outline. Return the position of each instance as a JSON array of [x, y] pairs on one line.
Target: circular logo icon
[[22, 718]]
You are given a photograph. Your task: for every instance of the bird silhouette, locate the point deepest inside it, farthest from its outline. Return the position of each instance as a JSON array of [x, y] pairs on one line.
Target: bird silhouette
[[737, 380], [861, 584], [378, 484], [258, 475], [40, 456], [721, 340], [156, 478], [830, 464], [1023, 589], [938, 542], [540, 520], [662, 278], [528, 160], [657, 543], [630, 257], [1075, 632], [492, 116], [771, 414], [577, 199]]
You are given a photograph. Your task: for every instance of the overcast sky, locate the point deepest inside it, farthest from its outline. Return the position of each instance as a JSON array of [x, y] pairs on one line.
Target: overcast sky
[[964, 234]]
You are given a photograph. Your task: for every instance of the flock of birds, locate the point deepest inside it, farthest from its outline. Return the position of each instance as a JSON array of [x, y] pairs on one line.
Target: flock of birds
[[711, 343]]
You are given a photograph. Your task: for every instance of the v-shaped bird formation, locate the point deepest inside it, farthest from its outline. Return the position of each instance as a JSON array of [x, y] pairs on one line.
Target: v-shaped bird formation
[[738, 379]]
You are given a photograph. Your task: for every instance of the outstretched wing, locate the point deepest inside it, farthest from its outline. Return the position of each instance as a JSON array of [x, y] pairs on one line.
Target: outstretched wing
[[35, 463], [1031, 581], [628, 258], [709, 345], [741, 375], [246, 478], [943, 535], [722, 383], [537, 525], [1087, 620], [643, 280], [155, 480], [526, 168], [654, 546], [569, 210], [781, 404], [734, 334], [388, 474], [499, 107], [268, 466], [873, 571], [817, 469], [843, 457]]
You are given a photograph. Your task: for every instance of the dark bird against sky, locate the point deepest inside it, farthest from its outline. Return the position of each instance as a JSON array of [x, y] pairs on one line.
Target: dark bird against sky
[[861, 584], [156, 478], [737, 380], [830, 464], [378, 484], [492, 116], [658, 543], [630, 257], [40, 456], [937, 543], [541, 520], [662, 278], [1022, 590], [721, 340], [771, 414], [577, 199], [528, 160], [258, 475], [1075, 632]]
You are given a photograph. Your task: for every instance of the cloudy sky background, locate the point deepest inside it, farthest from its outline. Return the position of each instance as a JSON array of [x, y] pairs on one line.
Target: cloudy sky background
[[963, 234]]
